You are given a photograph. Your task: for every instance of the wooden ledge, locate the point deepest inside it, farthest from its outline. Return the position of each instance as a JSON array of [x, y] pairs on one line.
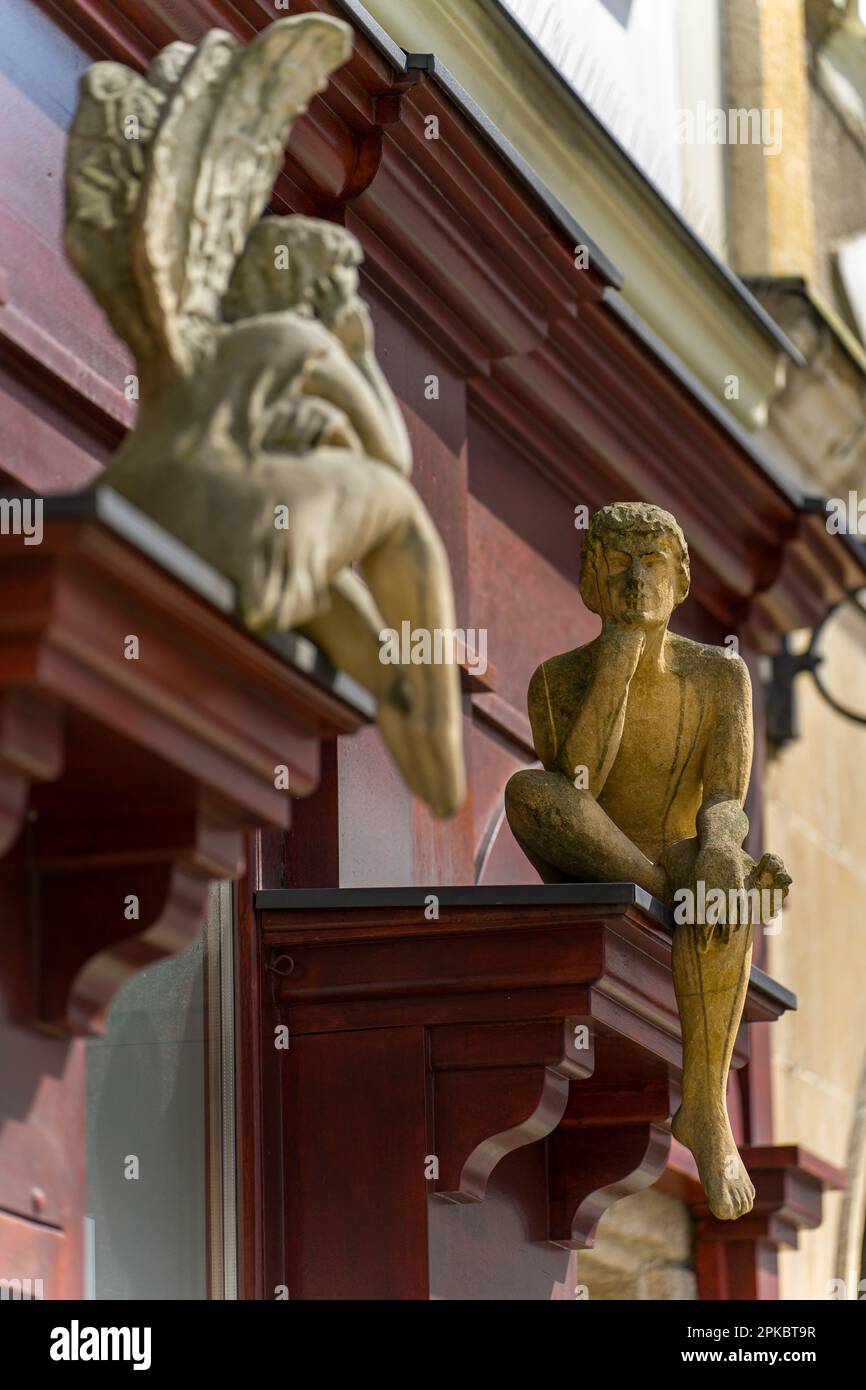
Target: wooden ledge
[[351, 914]]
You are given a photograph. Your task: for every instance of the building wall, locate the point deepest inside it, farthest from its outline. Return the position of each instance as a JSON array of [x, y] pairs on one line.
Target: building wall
[[815, 813], [815, 799], [838, 192], [621, 56], [770, 211]]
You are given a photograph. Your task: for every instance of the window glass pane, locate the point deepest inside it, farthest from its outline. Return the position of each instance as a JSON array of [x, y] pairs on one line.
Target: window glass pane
[[160, 1129]]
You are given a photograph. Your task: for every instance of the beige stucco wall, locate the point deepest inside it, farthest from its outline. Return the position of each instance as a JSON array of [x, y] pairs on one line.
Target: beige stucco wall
[[643, 1250], [770, 206], [816, 819], [838, 194]]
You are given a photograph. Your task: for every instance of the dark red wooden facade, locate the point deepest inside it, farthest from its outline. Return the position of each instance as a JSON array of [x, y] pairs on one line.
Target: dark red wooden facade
[[548, 397]]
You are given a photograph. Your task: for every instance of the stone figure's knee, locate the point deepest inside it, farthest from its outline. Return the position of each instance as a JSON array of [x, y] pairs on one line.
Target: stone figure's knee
[[538, 800], [518, 789], [525, 796]]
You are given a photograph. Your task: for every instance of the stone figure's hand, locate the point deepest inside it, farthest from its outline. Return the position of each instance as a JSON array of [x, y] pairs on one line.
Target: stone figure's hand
[[718, 867], [328, 299], [354, 327], [621, 647]]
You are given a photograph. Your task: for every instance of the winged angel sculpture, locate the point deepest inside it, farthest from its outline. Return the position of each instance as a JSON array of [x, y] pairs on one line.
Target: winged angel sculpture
[[260, 398]]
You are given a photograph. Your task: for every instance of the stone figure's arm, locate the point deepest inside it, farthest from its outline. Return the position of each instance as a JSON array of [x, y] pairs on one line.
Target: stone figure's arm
[[353, 326], [595, 709], [400, 450], [334, 376], [541, 717], [722, 823]]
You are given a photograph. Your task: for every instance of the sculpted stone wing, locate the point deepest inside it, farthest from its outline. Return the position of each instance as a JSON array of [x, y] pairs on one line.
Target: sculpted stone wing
[[104, 171], [214, 157]]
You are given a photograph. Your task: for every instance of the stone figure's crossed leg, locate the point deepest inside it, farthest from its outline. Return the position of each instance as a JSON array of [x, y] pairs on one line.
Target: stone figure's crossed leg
[[569, 838], [546, 812]]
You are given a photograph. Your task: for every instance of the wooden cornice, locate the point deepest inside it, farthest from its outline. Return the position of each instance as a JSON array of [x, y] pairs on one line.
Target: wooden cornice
[[605, 421], [453, 237], [451, 209]]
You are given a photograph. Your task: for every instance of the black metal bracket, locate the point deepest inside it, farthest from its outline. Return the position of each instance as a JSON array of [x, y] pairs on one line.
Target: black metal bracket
[[782, 719]]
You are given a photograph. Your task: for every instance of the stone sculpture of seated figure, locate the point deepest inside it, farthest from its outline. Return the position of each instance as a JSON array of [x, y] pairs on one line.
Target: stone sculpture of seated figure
[[646, 743]]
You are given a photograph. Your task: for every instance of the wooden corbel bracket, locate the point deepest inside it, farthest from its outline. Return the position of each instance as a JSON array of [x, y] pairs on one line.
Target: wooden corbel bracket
[[497, 1087], [143, 732]]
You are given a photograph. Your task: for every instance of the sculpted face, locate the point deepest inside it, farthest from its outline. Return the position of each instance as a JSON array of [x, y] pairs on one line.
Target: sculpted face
[[638, 578]]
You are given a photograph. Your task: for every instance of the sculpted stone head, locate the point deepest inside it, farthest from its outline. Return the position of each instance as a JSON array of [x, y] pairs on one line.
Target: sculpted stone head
[[635, 568], [316, 275]]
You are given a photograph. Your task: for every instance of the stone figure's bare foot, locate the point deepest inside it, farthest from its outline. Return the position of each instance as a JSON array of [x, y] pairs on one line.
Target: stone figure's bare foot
[[722, 1174]]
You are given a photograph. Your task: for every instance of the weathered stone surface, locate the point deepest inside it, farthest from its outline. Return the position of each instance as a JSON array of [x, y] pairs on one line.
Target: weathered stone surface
[[646, 743]]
